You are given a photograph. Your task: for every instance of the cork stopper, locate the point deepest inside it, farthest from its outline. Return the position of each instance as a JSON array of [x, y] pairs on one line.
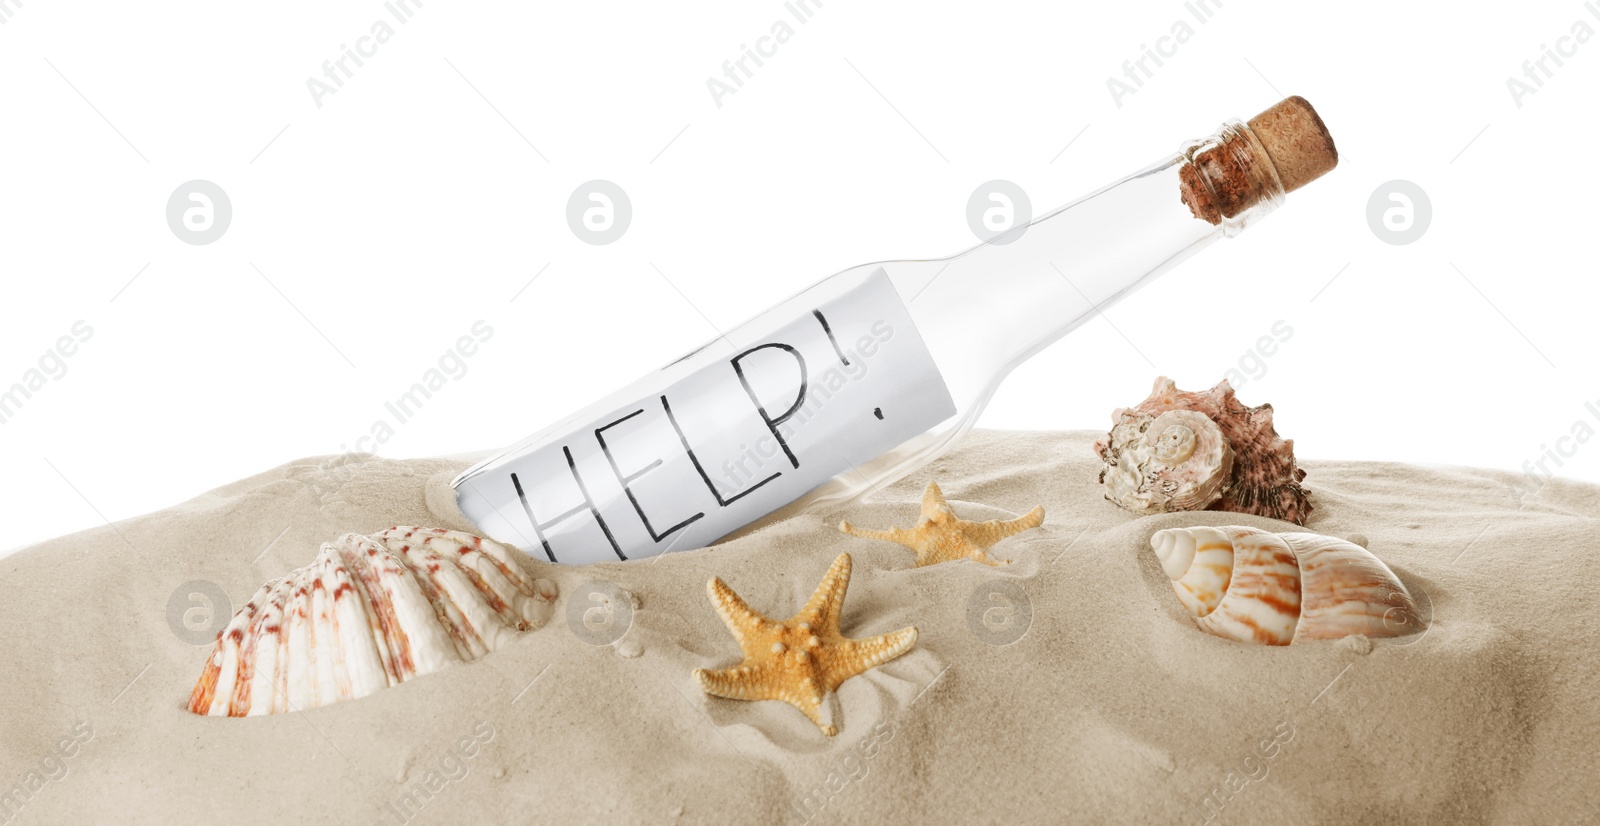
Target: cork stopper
[[1296, 140], [1242, 166]]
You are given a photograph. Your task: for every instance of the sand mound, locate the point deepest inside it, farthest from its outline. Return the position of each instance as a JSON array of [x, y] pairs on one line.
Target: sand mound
[[1110, 706]]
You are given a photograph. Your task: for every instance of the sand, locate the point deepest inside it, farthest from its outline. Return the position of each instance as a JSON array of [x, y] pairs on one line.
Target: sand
[[1111, 707]]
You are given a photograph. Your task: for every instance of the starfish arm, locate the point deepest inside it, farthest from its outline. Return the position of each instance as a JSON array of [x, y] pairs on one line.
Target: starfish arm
[[742, 682], [852, 657], [984, 557], [891, 535], [933, 501], [734, 612], [764, 681], [988, 533], [812, 708], [822, 610]]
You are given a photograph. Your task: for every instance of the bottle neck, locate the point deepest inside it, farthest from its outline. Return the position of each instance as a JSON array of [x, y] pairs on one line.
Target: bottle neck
[[985, 310]]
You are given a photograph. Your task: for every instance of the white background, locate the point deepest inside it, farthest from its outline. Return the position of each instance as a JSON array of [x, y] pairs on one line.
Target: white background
[[372, 232]]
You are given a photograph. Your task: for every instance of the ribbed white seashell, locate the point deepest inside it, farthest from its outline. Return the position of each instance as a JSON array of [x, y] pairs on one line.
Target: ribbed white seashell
[[1178, 460], [368, 613], [1280, 588]]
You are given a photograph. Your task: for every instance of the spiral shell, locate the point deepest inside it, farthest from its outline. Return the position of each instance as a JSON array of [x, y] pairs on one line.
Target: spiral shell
[[1181, 451], [1257, 586], [1177, 461], [370, 612]]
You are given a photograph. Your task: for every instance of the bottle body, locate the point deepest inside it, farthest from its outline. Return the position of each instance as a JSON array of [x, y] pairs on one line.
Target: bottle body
[[855, 381]]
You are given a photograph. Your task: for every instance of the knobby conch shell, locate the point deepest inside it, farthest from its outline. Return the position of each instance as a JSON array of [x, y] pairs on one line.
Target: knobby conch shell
[[1279, 588], [1179, 451], [370, 612]]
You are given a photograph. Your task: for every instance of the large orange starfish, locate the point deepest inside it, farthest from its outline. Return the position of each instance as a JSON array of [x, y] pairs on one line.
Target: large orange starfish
[[802, 658], [941, 536]]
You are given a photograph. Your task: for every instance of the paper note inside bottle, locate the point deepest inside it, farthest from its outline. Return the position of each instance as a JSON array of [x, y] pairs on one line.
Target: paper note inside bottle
[[719, 438]]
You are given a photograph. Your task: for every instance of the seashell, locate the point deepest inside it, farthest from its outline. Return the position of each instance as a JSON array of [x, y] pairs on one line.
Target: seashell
[[1257, 586], [368, 613], [1181, 451], [1178, 461]]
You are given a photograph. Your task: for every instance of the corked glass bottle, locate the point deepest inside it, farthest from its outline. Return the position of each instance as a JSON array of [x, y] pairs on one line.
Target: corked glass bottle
[[874, 371]]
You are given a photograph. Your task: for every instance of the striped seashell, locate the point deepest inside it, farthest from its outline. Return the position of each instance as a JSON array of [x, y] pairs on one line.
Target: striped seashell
[[1257, 586], [368, 613]]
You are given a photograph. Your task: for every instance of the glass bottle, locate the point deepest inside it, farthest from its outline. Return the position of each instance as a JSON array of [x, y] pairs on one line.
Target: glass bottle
[[871, 373]]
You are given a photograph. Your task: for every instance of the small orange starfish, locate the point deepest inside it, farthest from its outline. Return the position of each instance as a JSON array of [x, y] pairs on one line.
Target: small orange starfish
[[941, 536], [802, 658]]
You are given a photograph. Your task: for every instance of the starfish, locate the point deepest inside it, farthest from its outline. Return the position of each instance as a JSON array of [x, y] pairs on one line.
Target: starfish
[[941, 536], [802, 658]]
